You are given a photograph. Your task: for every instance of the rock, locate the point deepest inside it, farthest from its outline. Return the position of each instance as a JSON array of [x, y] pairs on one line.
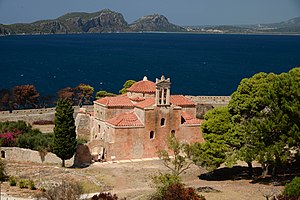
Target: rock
[[155, 22]]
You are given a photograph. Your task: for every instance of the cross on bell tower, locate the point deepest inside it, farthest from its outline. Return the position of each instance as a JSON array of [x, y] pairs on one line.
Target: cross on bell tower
[[162, 92]]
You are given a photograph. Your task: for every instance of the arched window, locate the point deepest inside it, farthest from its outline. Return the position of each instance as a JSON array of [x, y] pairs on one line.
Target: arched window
[[99, 128], [151, 134], [162, 122]]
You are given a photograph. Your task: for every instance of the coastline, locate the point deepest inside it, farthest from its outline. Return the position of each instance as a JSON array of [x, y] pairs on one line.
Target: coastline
[[157, 32]]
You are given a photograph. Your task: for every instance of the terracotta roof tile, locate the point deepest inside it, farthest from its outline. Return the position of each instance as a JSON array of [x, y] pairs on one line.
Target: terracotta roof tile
[[146, 103], [189, 119], [180, 100], [137, 99], [125, 119], [116, 101], [143, 86]]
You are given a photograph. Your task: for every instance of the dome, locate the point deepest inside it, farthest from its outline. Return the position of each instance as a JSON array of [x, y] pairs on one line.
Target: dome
[[143, 86]]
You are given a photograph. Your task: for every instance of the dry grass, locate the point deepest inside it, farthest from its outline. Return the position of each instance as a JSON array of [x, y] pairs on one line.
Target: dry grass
[[132, 180]]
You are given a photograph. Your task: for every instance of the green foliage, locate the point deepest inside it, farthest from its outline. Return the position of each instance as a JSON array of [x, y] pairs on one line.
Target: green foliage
[[23, 183], [12, 181], [162, 182], [261, 122], [81, 141], [64, 143], [292, 188], [126, 85], [31, 185], [3, 175], [180, 161], [11, 126], [35, 140], [216, 132], [102, 93]]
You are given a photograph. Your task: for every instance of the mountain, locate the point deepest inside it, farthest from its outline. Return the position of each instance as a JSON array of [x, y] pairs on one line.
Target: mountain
[[103, 21], [155, 22]]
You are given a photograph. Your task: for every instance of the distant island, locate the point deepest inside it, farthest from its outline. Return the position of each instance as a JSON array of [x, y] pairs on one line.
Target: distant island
[[107, 21]]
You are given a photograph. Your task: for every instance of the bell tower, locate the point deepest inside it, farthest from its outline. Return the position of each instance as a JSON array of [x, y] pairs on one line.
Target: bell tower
[[162, 91]]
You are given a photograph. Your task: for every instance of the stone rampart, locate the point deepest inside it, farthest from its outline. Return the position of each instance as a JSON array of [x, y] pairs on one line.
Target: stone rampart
[[31, 115], [212, 100], [27, 155], [206, 103]]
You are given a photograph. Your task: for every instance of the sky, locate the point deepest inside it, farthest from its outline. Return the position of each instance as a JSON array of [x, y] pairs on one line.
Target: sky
[[181, 12]]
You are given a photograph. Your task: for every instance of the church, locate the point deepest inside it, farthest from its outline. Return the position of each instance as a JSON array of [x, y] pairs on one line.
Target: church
[[136, 124]]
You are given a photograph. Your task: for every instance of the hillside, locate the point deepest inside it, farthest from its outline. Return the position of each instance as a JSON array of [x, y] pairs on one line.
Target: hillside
[[155, 23], [104, 21]]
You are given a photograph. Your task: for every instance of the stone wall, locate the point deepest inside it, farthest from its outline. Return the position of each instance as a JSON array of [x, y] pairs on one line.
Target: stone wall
[[31, 115], [27, 155], [206, 103]]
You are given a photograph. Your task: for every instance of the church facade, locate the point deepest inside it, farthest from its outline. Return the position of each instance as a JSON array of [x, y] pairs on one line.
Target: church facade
[[136, 125]]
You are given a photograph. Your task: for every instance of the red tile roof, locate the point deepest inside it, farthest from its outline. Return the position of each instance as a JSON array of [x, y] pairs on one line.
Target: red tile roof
[[181, 100], [137, 99], [189, 119], [143, 86], [125, 119], [117, 101], [146, 103]]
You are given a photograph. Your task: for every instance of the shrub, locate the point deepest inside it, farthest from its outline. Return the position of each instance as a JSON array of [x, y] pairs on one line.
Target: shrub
[[35, 140], [43, 189], [292, 189], [106, 196], [23, 183], [64, 191], [12, 181], [81, 141], [179, 192], [31, 185], [162, 182]]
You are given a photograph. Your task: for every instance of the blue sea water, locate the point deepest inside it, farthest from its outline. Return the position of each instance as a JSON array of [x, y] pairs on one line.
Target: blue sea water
[[197, 64]]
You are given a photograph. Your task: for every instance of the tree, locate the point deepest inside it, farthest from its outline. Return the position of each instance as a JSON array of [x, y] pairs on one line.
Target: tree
[[214, 151], [261, 122], [83, 94], [26, 96], [66, 93], [64, 144], [266, 107], [126, 85], [5, 99], [103, 93], [180, 161]]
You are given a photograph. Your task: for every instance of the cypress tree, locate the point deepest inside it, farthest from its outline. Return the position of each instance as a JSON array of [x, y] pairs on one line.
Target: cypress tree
[[64, 144]]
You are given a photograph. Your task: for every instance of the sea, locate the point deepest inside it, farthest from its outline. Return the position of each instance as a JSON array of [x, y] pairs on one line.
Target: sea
[[197, 64]]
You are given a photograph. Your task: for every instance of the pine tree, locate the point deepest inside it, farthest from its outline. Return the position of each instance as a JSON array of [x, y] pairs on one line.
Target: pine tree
[[64, 144]]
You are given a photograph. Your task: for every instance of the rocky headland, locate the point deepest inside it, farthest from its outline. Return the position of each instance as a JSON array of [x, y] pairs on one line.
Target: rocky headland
[[104, 21]]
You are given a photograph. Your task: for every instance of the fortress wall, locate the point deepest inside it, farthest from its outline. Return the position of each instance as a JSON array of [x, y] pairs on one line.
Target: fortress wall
[[212, 100], [206, 103], [27, 155], [31, 115]]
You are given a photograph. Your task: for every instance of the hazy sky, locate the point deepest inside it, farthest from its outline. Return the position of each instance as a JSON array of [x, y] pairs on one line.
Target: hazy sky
[[181, 12]]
